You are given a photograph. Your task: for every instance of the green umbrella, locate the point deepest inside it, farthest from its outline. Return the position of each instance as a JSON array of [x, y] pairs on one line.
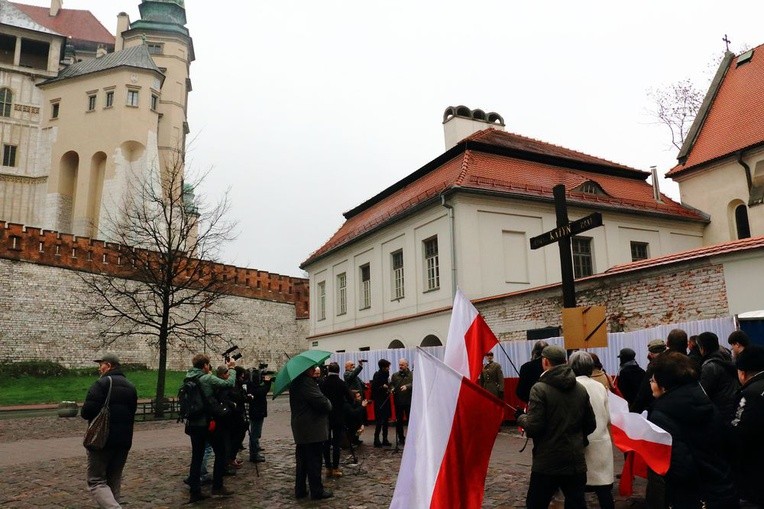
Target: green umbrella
[[296, 366]]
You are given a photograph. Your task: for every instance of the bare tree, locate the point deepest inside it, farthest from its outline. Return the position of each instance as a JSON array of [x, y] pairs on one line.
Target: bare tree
[[169, 243], [676, 107]]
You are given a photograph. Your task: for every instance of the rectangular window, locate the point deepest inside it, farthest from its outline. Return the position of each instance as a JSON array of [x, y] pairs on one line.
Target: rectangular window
[[431, 264], [321, 300], [9, 155], [582, 256], [397, 264], [154, 48], [54, 110], [342, 294], [154, 102], [365, 272], [639, 251], [132, 98], [109, 98], [91, 102]]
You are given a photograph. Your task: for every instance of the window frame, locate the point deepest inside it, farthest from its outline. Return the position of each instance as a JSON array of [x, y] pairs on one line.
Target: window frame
[[583, 262], [92, 102], [9, 155], [342, 294], [397, 273], [364, 279], [6, 102], [109, 100], [431, 264], [132, 93], [55, 109], [636, 246], [154, 102], [321, 301]]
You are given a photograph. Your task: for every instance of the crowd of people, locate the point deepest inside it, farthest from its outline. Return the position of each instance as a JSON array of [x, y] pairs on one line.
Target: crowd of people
[[709, 398]]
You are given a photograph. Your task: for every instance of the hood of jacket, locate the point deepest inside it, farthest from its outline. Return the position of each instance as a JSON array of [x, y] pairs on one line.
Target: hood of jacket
[[193, 372], [560, 377], [723, 359]]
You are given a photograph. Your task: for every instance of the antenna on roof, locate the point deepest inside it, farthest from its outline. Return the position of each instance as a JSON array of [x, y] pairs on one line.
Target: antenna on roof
[[726, 41]]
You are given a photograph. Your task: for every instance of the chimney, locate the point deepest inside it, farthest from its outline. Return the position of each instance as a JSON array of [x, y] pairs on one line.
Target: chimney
[[656, 185], [460, 122], [101, 51], [123, 24], [55, 6]]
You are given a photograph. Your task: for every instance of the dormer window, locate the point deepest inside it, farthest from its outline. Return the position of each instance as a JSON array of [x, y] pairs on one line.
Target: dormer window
[[590, 187]]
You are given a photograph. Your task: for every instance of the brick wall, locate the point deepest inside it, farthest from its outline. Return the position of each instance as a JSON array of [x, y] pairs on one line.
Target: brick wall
[[41, 294], [633, 301]]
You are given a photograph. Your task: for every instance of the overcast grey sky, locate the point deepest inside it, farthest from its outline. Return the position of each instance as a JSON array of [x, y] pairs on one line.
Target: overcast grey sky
[[306, 108]]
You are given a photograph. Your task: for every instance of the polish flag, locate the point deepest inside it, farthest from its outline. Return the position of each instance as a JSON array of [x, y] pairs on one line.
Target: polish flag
[[641, 439], [453, 426], [469, 339]]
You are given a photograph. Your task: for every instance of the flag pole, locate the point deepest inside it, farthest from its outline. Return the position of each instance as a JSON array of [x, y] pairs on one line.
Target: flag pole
[[508, 358]]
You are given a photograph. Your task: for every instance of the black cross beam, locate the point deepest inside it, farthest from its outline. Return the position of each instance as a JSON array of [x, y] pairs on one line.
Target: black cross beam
[[562, 234]]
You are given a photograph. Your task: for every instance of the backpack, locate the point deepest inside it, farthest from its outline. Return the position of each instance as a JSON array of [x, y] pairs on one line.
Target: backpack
[[191, 401]]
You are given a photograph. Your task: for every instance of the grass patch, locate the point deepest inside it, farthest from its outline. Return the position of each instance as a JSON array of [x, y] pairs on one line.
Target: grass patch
[[74, 384]]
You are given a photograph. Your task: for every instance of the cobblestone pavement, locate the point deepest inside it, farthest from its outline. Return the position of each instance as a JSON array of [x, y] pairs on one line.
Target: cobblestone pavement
[[156, 467]]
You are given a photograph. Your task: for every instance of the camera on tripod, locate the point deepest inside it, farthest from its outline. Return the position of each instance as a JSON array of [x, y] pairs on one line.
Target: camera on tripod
[[229, 354]]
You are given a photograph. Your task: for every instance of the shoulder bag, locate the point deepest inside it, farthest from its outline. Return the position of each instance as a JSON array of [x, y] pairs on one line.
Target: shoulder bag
[[98, 429]]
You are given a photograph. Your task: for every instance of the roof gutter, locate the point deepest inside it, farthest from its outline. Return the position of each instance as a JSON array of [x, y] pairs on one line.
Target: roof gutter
[[747, 169], [452, 222]]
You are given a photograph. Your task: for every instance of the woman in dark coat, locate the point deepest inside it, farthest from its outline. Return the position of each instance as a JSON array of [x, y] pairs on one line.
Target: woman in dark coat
[[697, 471]]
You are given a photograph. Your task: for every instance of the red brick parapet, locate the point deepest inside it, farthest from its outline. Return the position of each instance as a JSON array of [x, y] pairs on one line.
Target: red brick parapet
[[66, 251]]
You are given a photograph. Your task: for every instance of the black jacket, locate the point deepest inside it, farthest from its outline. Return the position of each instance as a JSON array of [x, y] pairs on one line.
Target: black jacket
[[718, 376], [336, 390], [122, 405], [629, 379], [258, 388], [529, 375], [697, 470], [748, 440], [310, 411]]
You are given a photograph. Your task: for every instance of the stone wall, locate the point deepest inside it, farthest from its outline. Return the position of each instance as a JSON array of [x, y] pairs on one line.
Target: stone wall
[[40, 319], [633, 301]]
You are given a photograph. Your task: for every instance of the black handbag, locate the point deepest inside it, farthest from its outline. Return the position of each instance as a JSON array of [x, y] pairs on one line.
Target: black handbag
[[98, 429]]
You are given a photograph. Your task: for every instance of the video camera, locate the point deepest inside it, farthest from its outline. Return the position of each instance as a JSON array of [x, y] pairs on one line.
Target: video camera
[[263, 369], [361, 361], [228, 354]]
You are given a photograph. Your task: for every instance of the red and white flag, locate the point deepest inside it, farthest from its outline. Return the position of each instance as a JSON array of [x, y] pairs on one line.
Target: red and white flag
[[453, 426], [633, 433], [469, 338]]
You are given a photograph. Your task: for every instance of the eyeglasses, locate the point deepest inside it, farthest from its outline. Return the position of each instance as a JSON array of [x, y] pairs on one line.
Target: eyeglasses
[[652, 380]]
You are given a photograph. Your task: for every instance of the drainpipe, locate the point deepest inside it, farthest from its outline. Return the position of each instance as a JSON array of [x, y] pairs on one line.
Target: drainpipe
[[746, 168], [453, 243]]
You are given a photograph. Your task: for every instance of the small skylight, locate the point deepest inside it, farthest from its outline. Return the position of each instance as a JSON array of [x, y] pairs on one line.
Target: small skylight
[[745, 57]]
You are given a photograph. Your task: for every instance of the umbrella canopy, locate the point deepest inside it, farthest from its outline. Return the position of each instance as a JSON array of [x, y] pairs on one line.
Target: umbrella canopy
[[296, 366]]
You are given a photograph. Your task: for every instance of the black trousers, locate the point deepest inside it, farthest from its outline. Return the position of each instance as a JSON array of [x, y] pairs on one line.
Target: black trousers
[[542, 488], [219, 440], [400, 410], [198, 435], [332, 446], [308, 457]]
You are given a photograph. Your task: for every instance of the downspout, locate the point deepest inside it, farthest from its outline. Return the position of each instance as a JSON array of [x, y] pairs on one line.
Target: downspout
[[453, 243], [747, 169]]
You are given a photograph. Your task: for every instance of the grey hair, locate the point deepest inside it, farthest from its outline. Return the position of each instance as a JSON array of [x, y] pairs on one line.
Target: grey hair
[[581, 363]]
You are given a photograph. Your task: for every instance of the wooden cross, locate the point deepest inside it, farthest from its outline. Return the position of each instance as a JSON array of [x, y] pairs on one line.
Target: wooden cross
[[726, 41], [562, 234]]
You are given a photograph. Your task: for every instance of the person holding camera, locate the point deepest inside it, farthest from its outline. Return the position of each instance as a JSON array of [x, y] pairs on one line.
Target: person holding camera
[[351, 377], [355, 417], [400, 385], [257, 388]]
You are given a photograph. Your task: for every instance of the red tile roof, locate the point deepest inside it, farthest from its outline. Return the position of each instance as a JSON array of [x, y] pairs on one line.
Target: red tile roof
[[691, 254], [78, 24], [511, 165], [733, 121]]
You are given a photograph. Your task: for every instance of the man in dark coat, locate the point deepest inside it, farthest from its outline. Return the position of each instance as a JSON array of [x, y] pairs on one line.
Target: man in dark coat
[[401, 384], [105, 466], [747, 425], [644, 397], [630, 374], [352, 379], [559, 419], [380, 394], [336, 390], [310, 428], [257, 388], [530, 372], [718, 375]]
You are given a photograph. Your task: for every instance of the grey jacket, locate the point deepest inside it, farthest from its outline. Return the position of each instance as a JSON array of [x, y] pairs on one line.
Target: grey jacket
[[310, 411], [559, 419]]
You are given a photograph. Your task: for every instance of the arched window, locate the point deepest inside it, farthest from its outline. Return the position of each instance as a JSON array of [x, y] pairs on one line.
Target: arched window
[[6, 101], [396, 344], [741, 222], [431, 340]]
